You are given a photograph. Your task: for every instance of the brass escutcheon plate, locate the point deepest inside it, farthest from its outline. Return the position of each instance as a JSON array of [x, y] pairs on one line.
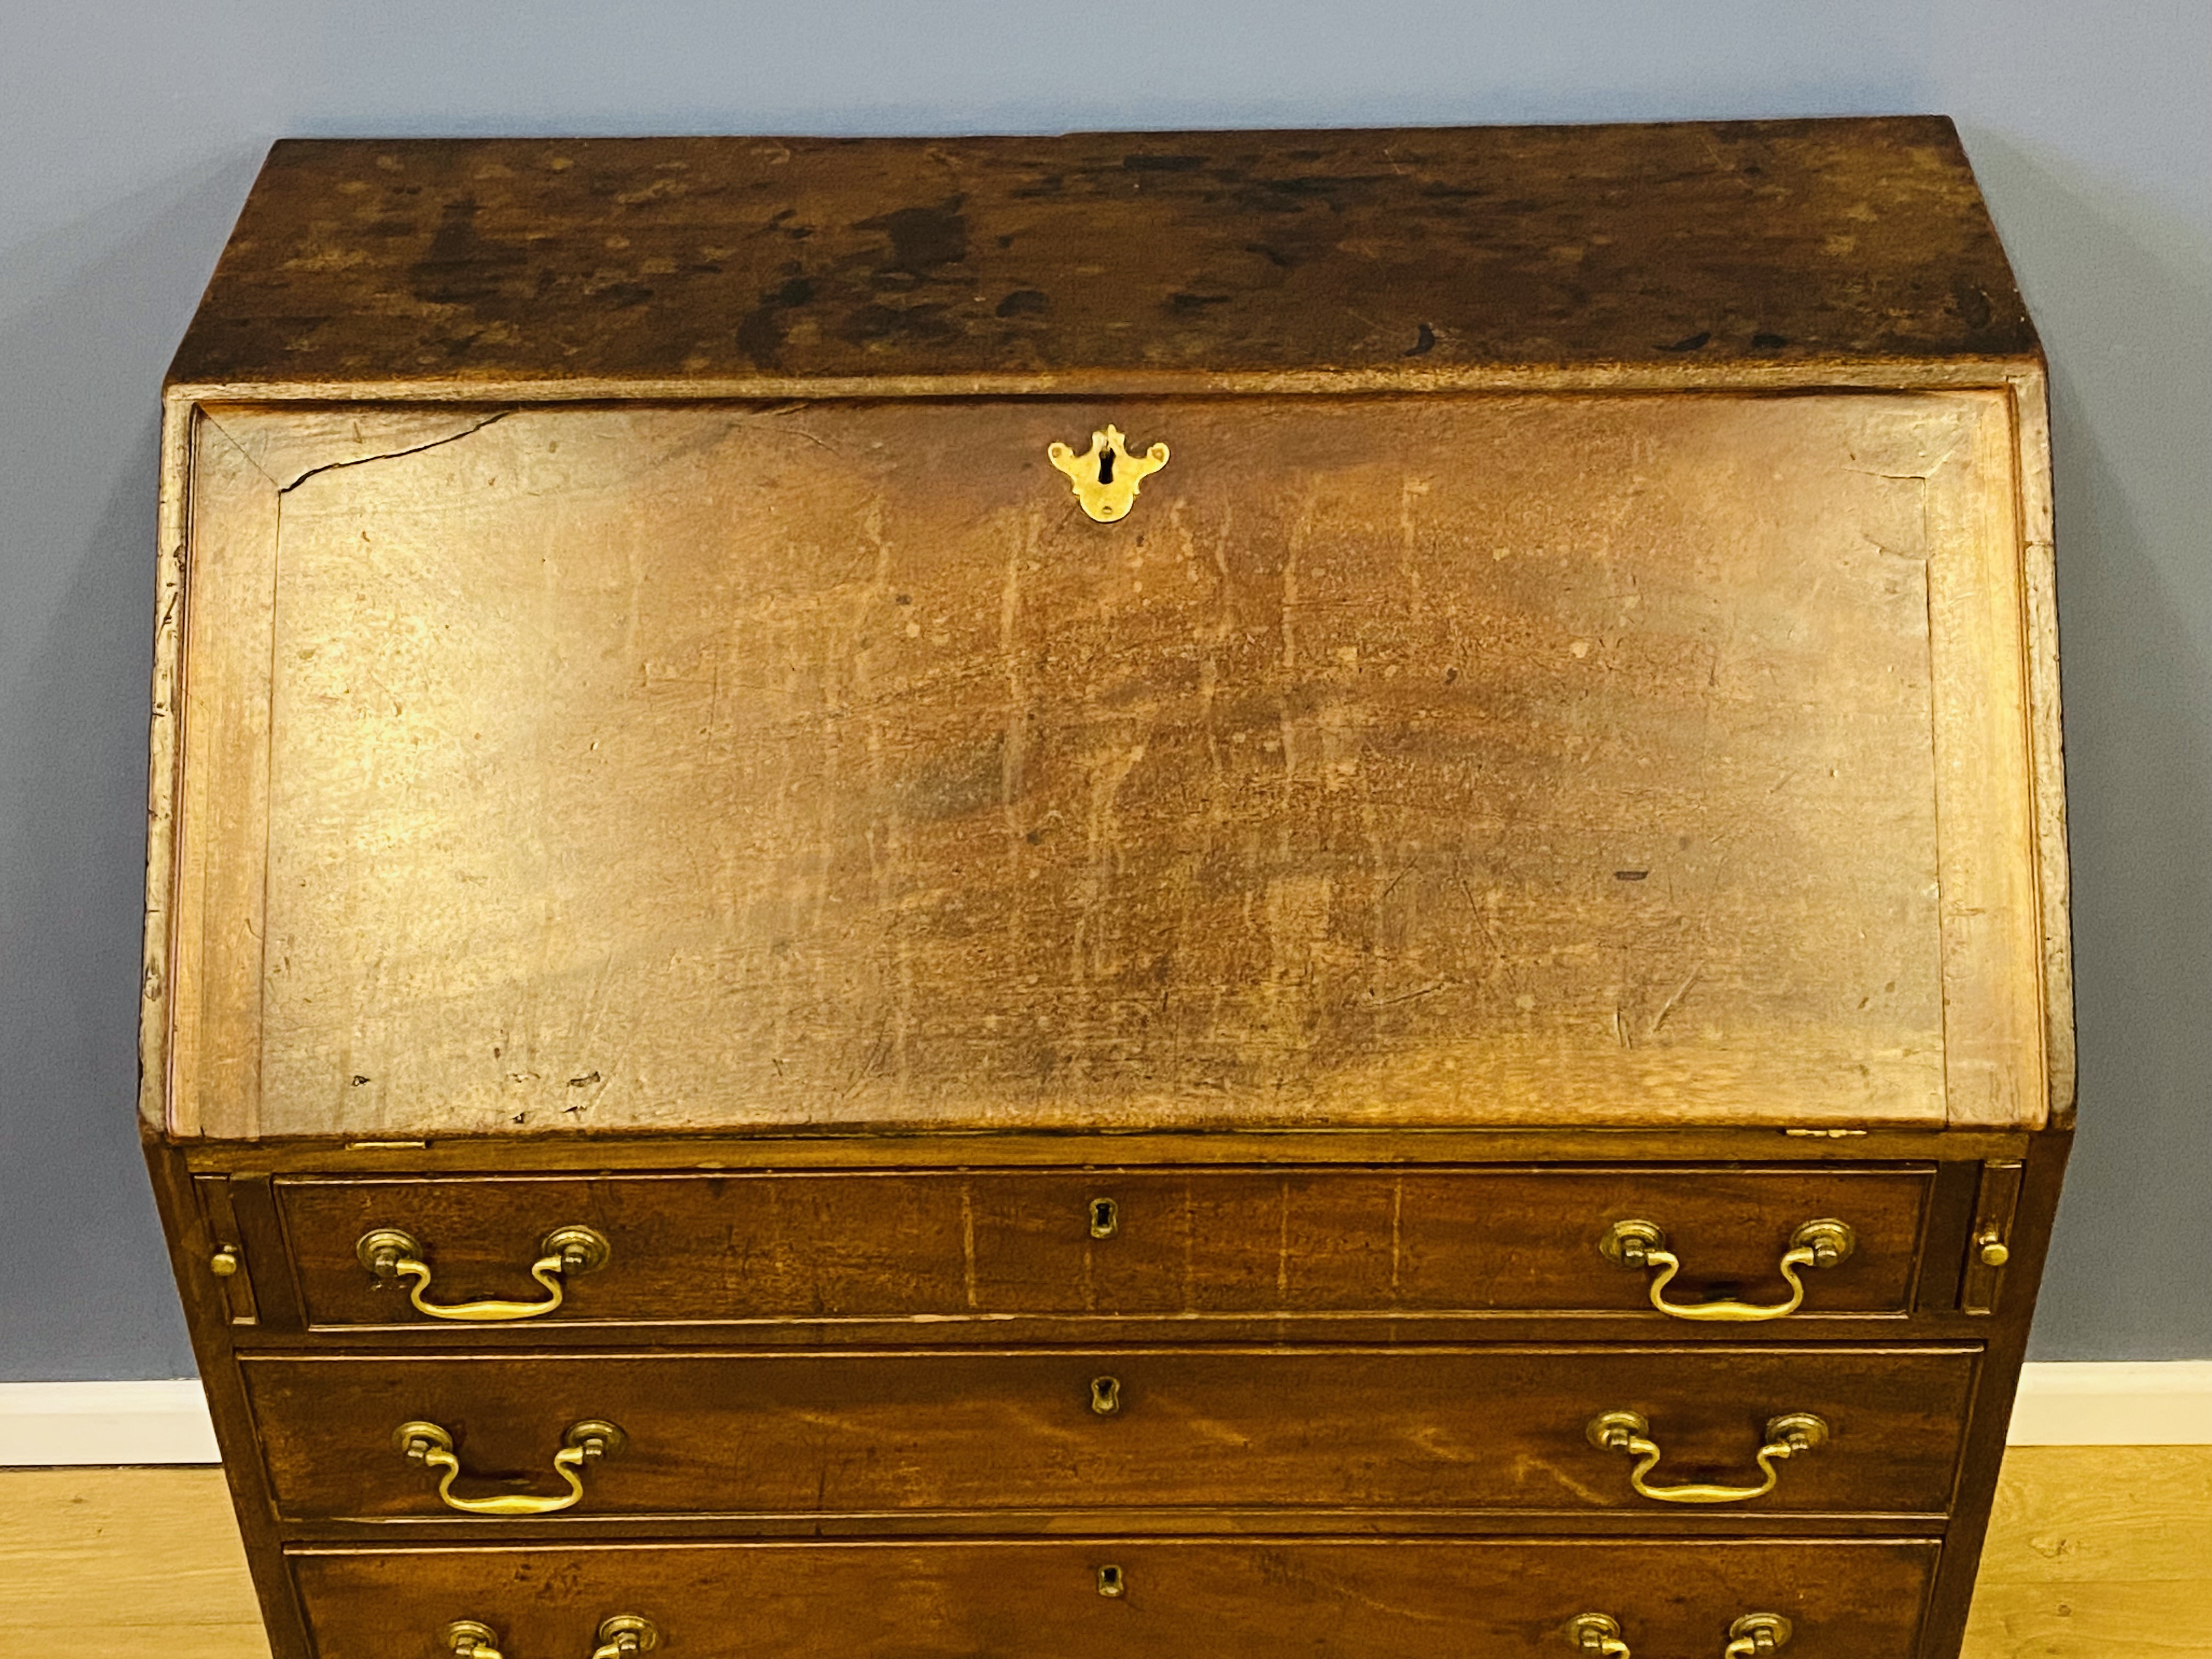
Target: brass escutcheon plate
[[1107, 478]]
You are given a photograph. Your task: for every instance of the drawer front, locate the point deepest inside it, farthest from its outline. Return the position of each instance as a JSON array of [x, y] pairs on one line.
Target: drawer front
[[1043, 1433], [1394, 1599], [935, 1249]]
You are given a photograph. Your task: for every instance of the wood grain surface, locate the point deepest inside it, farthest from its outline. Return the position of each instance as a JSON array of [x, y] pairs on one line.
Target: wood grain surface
[[125, 1563], [1332, 1599], [951, 1253], [2094, 1552], [1487, 1431], [1545, 760], [1689, 247]]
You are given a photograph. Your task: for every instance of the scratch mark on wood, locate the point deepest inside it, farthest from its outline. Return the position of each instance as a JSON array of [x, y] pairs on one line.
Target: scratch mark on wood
[[395, 454], [967, 1242], [1675, 1001]]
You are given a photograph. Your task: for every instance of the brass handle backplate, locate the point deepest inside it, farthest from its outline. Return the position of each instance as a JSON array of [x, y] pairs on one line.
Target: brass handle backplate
[[1107, 479], [1792, 1436], [1597, 1634], [625, 1634], [432, 1447], [468, 1639], [618, 1638], [1643, 1244], [390, 1254], [1754, 1634]]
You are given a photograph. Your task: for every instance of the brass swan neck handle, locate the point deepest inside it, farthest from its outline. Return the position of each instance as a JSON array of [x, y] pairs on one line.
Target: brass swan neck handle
[[619, 1637], [584, 1442], [1643, 1244], [1752, 1637], [390, 1254], [1791, 1436]]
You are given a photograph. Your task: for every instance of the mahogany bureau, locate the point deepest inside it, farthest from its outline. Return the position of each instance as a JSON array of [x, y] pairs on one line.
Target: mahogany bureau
[[1111, 897]]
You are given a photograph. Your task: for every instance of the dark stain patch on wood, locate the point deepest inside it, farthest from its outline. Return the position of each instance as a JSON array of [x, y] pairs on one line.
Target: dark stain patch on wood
[[1188, 254]]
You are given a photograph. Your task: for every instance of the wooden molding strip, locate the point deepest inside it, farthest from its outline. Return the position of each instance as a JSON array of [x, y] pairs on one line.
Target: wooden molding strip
[[2105, 1403]]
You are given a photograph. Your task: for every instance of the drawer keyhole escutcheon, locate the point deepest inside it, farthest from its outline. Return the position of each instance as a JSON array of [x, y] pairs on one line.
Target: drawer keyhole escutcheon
[[1642, 1245], [1754, 1634], [1105, 1217], [391, 1255], [1596, 1634], [618, 1637], [586, 1442], [1111, 1582], [1791, 1436], [1106, 1395], [1107, 479]]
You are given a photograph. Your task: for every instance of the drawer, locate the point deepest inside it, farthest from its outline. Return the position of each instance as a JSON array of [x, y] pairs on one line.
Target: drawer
[[1323, 1599], [941, 1250], [1054, 1432]]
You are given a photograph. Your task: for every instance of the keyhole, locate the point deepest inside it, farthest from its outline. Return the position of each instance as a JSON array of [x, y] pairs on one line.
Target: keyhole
[[1105, 1396], [1105, 467], [1105, 1217], [1110, 1582]]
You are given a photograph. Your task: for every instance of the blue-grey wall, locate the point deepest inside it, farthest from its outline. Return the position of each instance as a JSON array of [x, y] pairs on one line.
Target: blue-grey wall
[[129, 128]]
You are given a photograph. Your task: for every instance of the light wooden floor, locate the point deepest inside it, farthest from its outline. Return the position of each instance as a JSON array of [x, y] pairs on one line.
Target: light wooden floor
[[2097, 1552]]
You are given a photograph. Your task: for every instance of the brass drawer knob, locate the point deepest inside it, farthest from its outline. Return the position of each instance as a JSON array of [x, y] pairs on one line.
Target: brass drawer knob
[[1597, 1634], [1107, 479], [1106, 1395], [618, 1637], [1754, 1634], [1643, 1244], [432, 1447], [390, 1254], [1792, 1436]]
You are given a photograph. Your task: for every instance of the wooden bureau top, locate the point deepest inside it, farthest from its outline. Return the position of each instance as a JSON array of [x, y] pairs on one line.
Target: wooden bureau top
[[1413, 258], [600, 688]]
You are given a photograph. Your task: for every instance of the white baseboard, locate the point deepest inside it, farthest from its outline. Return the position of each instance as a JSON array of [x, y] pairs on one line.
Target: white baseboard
[[2165, 1403], [51, 1425]]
